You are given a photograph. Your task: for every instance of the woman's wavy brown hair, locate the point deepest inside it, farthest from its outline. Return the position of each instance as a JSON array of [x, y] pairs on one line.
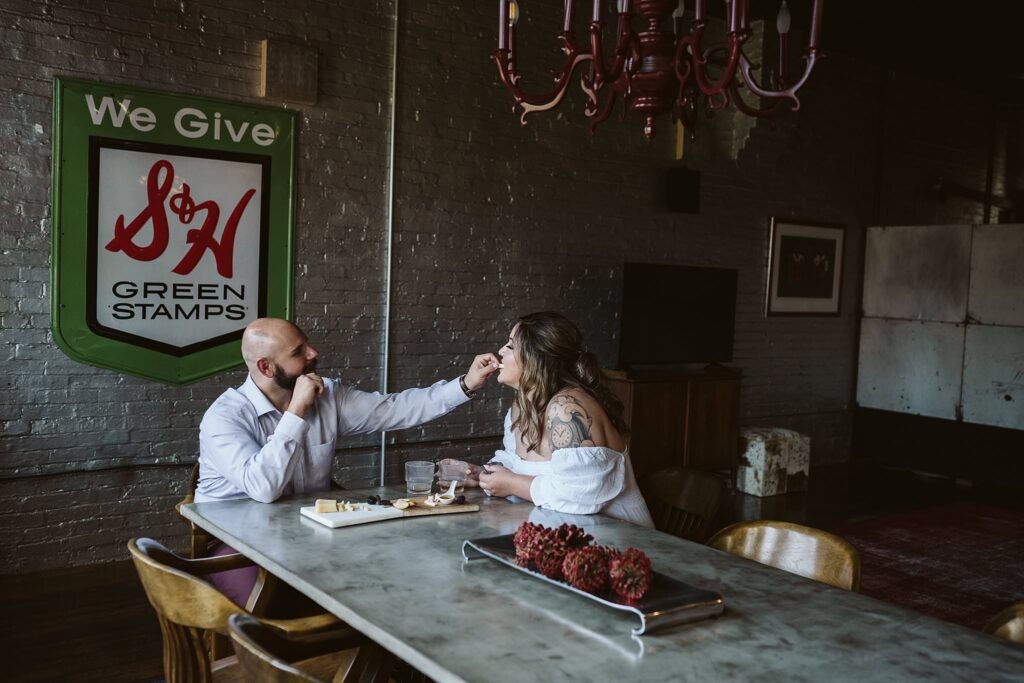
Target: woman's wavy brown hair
[[553, 356]]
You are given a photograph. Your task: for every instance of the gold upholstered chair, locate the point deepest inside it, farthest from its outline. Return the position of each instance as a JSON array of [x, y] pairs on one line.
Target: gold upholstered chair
[[269, 653], [684, 502], [795, 548], [191, 611], [1009, 623]]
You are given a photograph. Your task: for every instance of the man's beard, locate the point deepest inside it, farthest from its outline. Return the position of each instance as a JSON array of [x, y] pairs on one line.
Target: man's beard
[[286, 381]]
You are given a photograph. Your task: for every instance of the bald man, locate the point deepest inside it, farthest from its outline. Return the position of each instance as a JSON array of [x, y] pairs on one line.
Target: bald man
[[276, 433]]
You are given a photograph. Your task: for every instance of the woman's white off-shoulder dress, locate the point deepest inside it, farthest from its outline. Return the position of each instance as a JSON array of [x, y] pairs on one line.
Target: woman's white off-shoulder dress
[[580, 481]]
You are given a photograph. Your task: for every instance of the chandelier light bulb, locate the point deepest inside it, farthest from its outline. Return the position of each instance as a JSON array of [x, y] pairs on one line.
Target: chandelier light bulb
[[677, 19], [783, 20], [513, 12]]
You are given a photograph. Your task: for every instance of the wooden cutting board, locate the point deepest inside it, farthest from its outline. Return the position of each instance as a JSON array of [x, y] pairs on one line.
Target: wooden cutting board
[[377, 513], [421, 509]]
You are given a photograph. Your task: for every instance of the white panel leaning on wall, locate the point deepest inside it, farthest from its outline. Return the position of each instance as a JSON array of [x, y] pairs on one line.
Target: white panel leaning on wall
[[943, 327]]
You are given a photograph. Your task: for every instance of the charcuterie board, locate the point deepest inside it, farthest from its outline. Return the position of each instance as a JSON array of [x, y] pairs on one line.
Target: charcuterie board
[[380, 513]]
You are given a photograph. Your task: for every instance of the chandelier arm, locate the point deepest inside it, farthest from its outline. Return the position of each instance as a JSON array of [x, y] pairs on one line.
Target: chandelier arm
[[734, 47], [587, 85], [623, 41], [620, 90], [719, 98], [543, 101], [684, 59], [760, 112], [600, 114], [786, 93], [687, 97]]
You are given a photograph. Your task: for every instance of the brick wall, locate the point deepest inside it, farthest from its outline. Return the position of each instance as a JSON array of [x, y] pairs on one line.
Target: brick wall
[[491, 220], [920, 151]]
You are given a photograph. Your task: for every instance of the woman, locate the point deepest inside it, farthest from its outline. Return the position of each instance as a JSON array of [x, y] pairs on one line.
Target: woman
[[564, 447]]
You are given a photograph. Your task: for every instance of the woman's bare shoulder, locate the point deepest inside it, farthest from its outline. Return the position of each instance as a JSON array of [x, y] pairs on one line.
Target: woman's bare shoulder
[[572, 396], [574, 419]]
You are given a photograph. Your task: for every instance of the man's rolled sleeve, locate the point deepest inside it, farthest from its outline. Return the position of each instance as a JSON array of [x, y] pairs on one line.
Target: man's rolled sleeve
[[292, 427]]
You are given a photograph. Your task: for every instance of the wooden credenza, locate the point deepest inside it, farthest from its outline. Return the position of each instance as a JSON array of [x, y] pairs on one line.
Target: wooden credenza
[[686, 418]]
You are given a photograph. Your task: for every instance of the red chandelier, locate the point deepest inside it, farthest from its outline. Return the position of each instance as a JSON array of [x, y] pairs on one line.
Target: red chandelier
[[655, 71]]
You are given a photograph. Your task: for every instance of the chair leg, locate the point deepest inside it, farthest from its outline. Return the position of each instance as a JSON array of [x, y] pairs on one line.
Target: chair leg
[[185, 654], [372, 664], [259, 598], [218, 645], [402, 672]]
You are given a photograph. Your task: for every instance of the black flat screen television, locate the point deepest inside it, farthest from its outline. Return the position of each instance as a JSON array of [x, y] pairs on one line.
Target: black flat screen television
[[674, 315]]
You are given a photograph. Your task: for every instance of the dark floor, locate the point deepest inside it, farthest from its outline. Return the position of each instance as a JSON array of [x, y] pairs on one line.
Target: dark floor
[[841, 494], [94, 624], [82, 624]]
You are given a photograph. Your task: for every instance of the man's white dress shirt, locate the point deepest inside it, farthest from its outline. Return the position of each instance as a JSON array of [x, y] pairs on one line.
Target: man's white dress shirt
[[248, 448]]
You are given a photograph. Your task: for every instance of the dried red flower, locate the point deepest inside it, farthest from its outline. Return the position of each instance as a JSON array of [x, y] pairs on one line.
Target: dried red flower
[[630, 574], [586, 568]]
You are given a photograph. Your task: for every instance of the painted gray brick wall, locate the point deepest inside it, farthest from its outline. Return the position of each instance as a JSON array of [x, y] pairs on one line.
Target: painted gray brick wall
[[491, 221]]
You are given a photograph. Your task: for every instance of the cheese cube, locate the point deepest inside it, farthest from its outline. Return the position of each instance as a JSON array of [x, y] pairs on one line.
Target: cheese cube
[[326, 505]]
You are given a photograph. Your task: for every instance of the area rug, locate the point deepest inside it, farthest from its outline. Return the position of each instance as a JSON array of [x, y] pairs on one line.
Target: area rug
[[961, 562]]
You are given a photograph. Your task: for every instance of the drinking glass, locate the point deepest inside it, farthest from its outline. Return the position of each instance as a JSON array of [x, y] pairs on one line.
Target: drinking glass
[[453, 470], [419, 475]]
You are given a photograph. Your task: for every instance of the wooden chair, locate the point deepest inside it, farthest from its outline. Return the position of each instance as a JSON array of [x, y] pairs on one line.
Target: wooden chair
[[1009, 623], [684, 502], [199, 539], [268, 653], [191, 611], [795, 548]]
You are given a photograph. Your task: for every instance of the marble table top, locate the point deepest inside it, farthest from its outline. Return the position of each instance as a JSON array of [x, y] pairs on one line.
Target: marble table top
[[405, 584]]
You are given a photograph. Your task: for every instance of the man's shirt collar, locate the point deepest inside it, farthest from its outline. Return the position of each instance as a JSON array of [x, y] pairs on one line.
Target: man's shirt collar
[[256, 397]]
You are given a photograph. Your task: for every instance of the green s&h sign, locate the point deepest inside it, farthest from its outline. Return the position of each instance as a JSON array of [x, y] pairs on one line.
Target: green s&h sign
[[172, 227]]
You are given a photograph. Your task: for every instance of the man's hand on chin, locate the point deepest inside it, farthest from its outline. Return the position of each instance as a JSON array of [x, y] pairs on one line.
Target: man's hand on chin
[[307, 388]]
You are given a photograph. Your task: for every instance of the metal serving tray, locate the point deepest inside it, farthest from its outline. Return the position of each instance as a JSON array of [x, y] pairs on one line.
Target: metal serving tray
[[668, 602]]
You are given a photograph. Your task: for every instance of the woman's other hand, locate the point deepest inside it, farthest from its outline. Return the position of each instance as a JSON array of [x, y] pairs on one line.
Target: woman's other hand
[[496, 480]]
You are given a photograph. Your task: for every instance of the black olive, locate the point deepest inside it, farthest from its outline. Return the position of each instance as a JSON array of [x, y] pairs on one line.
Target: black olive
[[460, 500], [373, 500], [385, 501]]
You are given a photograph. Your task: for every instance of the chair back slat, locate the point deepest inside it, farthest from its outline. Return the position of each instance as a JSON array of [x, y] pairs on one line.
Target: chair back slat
[[176, 595], [267, 653], [684, 502], [1009, 623], [259, 650], [795, 548]]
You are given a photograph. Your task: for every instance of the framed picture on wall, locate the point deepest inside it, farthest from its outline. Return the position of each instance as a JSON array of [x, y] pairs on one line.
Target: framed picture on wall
[[805, 268]]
